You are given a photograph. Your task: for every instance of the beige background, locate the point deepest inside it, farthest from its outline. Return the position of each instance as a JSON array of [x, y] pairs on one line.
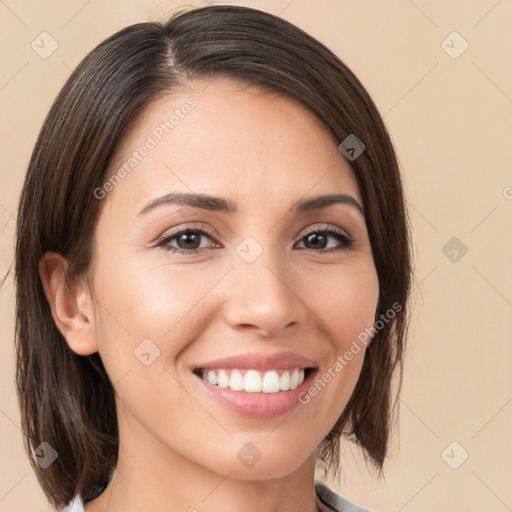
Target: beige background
[[451, 121]]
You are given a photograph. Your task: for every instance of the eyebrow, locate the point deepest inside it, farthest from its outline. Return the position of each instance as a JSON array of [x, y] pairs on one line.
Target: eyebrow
[[219, 204]]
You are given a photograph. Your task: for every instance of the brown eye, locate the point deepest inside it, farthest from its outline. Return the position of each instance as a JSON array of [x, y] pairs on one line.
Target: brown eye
[[188, 240], [319, 239]]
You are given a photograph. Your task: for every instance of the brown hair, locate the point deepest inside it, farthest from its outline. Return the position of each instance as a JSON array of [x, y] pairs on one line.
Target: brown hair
[[66, 399]]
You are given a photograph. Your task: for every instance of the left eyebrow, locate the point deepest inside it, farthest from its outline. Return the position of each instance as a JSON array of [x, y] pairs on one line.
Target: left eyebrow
[[319, 202], [220, 204]]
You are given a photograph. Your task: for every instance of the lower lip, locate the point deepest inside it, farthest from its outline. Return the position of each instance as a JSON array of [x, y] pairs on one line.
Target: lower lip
[[258, 405]]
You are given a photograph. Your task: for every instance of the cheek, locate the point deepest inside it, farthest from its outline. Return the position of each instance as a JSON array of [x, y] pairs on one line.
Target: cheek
[[345, 303], [345, 300], [148, 299], [148, 316], [144, 308]]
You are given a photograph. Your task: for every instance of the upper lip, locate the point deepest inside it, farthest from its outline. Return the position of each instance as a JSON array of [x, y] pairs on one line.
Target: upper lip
[[279, 360]]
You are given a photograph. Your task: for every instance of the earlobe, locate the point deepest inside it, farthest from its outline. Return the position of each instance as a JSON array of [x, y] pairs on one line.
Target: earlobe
[[71, 306]]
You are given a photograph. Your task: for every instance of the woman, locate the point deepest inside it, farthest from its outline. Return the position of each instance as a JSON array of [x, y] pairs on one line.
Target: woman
[[212, 267]]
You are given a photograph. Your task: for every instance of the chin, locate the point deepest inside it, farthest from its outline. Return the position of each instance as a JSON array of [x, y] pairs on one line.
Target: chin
[[261, 464]]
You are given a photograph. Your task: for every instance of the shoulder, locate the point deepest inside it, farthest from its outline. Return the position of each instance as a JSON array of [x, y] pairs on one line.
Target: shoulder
[[76, 505], [328, 501]]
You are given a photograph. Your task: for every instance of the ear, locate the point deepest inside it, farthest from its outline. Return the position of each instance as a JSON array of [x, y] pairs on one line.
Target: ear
[[71, 306]]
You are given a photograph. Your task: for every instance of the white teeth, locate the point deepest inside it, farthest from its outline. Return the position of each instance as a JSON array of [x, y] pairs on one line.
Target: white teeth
[[294, 379], [285, 381], [254, 381], [271, 382], [222, 379], [236, 381]]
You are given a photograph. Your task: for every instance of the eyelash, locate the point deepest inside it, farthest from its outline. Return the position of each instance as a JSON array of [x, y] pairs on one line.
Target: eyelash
[[346, 241]]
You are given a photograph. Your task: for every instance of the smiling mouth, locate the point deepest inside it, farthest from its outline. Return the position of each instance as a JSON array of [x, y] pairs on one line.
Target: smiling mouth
[[255, 381]]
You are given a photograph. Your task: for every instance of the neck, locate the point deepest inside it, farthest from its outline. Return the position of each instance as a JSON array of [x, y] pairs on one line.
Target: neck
[[152, 476]]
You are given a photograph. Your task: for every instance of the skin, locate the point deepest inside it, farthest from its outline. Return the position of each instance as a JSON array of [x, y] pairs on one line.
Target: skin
[[178, 449]]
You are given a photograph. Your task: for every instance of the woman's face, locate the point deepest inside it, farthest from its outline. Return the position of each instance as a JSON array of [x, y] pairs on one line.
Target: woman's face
[[266, 279]]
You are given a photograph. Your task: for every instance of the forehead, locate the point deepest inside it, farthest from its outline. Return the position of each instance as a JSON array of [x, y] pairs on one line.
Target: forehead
[[227, 139]]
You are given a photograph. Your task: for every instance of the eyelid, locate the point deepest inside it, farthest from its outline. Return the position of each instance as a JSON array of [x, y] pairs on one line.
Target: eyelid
[[326, 227], [212, 233], [347, 241], [187, 227]]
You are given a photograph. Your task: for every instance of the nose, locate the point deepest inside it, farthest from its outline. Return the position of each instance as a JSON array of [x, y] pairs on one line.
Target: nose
[[264, 295]]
